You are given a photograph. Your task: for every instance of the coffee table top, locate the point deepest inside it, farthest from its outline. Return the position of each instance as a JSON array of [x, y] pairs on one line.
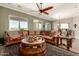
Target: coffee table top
[[35, 42]]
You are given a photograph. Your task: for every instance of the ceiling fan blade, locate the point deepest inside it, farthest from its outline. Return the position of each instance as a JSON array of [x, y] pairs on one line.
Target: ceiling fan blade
[[45, 12], [38, 6], [48, 8]]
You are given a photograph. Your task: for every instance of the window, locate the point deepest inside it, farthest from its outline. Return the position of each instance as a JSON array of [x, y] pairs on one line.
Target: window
[[47, 26], [63, 26], [15, 24], [24, 25], [38, 25]]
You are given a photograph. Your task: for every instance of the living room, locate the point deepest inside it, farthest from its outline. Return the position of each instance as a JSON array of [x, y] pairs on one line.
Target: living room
[[56, 24]]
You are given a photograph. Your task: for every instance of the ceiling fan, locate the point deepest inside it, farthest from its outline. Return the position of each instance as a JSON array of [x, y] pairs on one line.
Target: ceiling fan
[[41, 10]]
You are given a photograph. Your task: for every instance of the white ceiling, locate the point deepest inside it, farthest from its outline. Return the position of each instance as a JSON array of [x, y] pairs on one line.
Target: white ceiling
[[60, 10]]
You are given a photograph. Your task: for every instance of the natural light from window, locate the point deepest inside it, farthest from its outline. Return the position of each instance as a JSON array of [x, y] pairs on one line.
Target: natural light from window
[[37, 25], [24, 25], [13, 25], [63, 26], [17, 25]]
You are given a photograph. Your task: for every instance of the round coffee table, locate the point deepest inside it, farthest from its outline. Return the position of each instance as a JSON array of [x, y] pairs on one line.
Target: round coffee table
[[36, 48]]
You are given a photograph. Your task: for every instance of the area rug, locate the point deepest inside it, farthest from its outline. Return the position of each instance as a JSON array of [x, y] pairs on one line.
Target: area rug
[[51, 51]]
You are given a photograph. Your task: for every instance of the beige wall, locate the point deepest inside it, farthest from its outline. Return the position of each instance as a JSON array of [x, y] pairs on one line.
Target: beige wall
[[76, 30], [5, 12]]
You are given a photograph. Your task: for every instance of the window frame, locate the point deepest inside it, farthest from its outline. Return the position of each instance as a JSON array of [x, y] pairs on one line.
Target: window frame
[[59, 25], [19, 19], [15, 29], [46, 25], [38, 22]]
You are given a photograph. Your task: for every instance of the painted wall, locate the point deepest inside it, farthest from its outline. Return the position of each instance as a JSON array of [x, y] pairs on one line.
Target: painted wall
[[4, 21], [76, 30]]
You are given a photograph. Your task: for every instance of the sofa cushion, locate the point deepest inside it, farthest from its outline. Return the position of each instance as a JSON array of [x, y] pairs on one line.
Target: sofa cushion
[[13, 33], [48, 37]]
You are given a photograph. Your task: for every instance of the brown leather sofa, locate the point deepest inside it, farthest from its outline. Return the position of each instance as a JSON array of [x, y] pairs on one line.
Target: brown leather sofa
[[13, 37], [50, 37]]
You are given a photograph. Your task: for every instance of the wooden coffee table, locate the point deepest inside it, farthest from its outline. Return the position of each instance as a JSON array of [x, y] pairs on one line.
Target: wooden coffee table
[[37, 48]]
